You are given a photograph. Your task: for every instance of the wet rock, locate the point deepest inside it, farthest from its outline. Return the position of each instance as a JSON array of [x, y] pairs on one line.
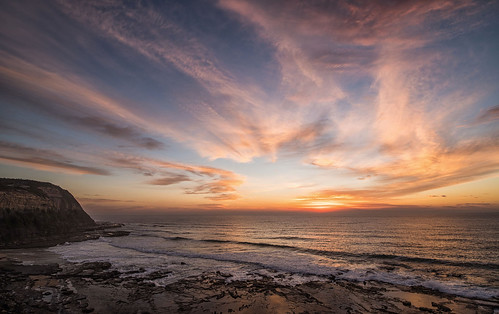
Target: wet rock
[[86, 272], [441, 307], [135, 271], [158, 274], [223, 274], [425, 309], [117, 233], [233, 294], [66, 291], [83, 304], [97, 266]]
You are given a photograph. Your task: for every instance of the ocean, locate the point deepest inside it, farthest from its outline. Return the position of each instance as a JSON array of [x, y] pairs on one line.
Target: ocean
[[453, 252]]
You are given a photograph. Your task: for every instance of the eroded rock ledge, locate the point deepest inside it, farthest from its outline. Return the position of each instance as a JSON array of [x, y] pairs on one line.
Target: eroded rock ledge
[[97, 287]]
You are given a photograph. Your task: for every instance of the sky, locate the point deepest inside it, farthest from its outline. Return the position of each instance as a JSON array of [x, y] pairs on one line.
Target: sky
[[138, 106]]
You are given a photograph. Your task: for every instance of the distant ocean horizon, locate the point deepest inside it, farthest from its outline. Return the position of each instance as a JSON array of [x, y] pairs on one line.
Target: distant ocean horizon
[[454, 252]]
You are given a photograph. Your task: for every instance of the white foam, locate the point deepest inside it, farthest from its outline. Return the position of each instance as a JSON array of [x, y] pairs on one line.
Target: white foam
[[130, 253], [449, 286]]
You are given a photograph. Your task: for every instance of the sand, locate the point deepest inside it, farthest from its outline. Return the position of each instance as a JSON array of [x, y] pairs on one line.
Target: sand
[[39, 281]]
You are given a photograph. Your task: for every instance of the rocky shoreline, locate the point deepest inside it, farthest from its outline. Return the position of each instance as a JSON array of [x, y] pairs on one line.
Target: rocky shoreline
[[101, 229], [39, 281]]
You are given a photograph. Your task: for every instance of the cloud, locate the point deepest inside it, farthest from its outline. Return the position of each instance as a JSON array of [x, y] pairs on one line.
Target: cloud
[[168, 180], [364, 177], [317, 46], [217, 187], [44, 160], [233, 118], [372, 89], [217, 184], [102, 200], [223, 197], [476, 205], [398, 179], [491, 114], [211, 206], [71, 102], [399, 130], [126, 132]]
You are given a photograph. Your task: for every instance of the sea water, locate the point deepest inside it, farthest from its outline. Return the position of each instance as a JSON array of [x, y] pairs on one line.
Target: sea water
[[450, 251]]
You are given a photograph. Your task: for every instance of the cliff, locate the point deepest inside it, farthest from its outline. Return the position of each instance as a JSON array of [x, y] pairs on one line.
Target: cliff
[[34, 212]]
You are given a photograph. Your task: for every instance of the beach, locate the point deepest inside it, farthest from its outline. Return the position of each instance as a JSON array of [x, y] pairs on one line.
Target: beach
[[285, 263], [39, 281]]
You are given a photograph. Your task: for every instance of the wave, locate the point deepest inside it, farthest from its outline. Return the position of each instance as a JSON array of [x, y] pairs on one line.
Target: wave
[[290, 238], [359, 275], [344, 254]]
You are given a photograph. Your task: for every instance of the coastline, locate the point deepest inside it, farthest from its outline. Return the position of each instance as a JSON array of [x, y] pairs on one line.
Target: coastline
[[37, 280], [104, 228]]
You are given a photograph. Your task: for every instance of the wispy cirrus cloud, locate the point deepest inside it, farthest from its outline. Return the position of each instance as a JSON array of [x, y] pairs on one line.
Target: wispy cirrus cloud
[[489, 115], [237, 119], [125, 132], [395, 96], [71, 101], [399, 133], [44, 159]]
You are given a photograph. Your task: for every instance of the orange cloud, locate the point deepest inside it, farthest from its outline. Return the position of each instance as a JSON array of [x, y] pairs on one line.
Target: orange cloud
[[359, 88], [215, 183], [465, 163], [400, 131]]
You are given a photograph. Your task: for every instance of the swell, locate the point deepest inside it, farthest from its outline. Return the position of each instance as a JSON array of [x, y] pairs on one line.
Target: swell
[[335, 254], [291, 238], [466, 290]]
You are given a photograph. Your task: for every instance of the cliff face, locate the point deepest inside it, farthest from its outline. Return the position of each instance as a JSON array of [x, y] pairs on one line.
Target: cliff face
[[32, 211]]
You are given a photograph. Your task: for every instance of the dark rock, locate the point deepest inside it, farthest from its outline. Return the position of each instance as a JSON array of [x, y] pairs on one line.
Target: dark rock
[[407, 303], [91, 269], [83, 304], [97, 266], [223, 274], [66, 291], [33, 212], [158, 274], [135, 271], [117, 233], [425, 309], [441, 307], [233, 294]]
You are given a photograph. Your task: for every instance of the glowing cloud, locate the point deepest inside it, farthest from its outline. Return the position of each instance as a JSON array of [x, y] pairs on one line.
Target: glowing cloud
[[361, 102]]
